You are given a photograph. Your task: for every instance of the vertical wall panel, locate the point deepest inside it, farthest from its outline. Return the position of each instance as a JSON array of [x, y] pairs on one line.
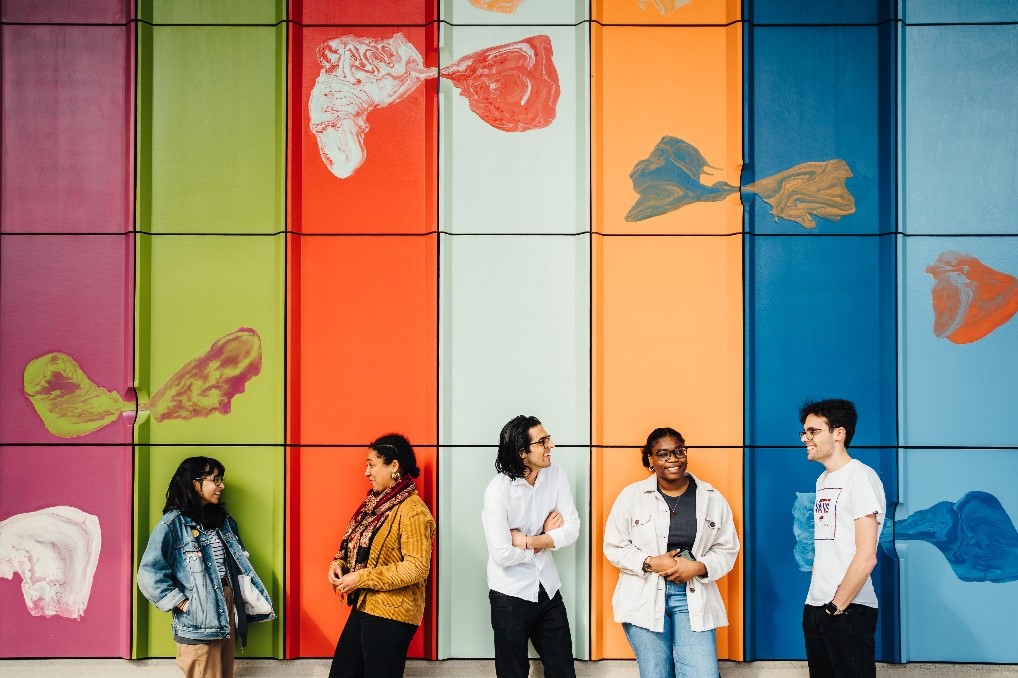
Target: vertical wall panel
[[221, 12], [211, 121], [834, 298], [514, 339], [71, 295], [532, 181], [389, 12], [958, 142], [819, 94], [637, 104], [192, 291], [394, 190], [666, 12], [95, 481], [956, 535], [325, 487], [254, 496], [67, 11], [567, 12], [958, 11], [836, 12]]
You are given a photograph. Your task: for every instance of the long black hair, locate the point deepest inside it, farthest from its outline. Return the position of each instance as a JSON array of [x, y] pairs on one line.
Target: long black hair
[[515, 438], [182, 496], [395, 447]]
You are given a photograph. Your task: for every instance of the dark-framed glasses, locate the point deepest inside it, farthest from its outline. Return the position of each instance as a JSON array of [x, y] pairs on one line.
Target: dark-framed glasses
[[543, 442], [808, 434], [215, 480], [665, 455]]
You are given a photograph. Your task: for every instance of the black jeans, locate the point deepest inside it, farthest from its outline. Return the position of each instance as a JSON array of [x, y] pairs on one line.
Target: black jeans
[[840, 646], [371, 647], [544, 623]]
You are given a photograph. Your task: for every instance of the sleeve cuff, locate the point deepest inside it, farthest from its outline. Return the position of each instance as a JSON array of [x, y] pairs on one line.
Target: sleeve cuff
[[171, 600]]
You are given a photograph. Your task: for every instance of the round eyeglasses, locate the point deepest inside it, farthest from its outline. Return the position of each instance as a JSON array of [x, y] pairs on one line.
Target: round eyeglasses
[[665, 455], [215, 480]]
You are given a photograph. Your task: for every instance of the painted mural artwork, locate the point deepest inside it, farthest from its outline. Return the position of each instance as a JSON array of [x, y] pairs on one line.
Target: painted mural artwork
[[513, 87], [501, 6], [672, 177], [70, 404], [975, 535], [666, 7], [970, 299], [55, 551]]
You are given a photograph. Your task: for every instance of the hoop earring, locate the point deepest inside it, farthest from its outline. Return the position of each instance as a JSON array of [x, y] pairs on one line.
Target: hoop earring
[[395, 476]]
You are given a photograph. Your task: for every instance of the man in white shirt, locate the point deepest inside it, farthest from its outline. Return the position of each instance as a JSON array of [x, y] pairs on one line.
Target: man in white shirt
[[528, 513], [839, 620]]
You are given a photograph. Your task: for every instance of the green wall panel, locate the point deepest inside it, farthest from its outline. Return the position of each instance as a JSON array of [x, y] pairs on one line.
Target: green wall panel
[[254, 496], [212, 12], [191, 292], [211, 129]]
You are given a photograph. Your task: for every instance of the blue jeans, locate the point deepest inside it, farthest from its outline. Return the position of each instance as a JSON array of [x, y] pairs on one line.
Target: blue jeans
[[678, 651]]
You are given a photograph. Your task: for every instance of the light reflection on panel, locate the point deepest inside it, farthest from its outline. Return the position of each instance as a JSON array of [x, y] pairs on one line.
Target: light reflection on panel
[[514, 163]]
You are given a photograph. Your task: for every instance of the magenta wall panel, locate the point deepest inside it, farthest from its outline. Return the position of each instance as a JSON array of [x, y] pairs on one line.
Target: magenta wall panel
[[67, 128], [72, 295], [81, 496], [67, 11]]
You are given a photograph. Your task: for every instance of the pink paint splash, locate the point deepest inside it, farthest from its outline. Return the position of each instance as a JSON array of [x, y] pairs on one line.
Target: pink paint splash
[[71, 405], [513, 87], [970, 299], [55, 551]]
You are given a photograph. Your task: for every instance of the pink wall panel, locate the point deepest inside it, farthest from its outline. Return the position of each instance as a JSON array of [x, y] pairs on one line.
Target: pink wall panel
[[95, 481], [68, 294], [67, 11], [67, 129]]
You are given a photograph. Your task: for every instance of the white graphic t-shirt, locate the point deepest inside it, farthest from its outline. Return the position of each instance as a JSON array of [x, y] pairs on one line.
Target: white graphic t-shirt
[[844, 496]]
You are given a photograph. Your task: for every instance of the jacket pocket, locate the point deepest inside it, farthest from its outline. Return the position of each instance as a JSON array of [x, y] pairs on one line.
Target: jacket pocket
[[193, 560], [642, 532]]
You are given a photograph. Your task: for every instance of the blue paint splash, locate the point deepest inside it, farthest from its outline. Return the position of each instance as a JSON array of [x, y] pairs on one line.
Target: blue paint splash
[[975, 534]]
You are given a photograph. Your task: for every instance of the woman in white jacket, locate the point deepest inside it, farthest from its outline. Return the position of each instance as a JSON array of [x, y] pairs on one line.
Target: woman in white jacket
[[672, 536]]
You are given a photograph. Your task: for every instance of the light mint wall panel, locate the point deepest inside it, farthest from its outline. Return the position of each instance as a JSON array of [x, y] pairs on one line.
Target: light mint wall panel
[[533, 181], [954, 532], [514, 336], [464, 613], [211, 129], [959, 112], [545, 12], [957, 383], [209, 310], [254, 497]]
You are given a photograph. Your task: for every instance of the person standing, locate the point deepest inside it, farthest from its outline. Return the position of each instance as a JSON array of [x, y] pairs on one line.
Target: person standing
[[839, 619], [528, 513]]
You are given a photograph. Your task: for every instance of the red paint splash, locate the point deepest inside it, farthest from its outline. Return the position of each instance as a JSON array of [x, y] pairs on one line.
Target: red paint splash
[[512, 87], [970, 299]]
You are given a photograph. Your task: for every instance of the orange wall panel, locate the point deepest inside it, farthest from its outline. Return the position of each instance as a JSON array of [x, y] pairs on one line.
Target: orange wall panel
[[674, 11]]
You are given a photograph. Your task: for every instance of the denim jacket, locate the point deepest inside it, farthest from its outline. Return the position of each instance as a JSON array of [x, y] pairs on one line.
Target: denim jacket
[[178, 565]]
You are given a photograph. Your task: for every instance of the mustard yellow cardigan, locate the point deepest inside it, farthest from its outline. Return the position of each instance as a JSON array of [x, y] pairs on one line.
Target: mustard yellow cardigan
[[392, 585]]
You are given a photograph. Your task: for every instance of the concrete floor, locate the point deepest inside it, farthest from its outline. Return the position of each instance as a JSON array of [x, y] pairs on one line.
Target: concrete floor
[[454, 668]]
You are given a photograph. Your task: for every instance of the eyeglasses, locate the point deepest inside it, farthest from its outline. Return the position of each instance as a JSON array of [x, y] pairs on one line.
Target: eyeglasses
[[215, 480], [808, 434], [543, 442], [665, 455]]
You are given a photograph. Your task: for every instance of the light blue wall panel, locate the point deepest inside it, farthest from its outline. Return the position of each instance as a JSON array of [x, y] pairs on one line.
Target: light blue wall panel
[[960, 113], [955, 534], [776, 581], [958, 11], [533, 181], [818, 94], [959, 393]]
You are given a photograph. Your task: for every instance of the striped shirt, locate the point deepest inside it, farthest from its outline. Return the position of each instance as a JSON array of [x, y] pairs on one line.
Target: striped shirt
[[218, 552]]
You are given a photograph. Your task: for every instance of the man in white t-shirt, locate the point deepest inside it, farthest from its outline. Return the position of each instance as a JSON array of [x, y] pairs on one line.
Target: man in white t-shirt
[[528, 514], [839, 620]]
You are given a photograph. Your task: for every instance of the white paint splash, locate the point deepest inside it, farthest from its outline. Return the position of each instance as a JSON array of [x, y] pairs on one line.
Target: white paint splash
[[359, 74], [55, 550]]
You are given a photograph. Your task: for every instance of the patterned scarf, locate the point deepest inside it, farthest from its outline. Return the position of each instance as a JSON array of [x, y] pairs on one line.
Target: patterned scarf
[[356, 544]]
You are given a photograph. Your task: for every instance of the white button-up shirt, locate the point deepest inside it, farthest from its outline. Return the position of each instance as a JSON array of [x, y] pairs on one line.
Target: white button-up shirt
[[517, 505]]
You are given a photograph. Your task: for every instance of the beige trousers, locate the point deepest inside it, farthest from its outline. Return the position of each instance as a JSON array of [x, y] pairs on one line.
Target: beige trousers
[[213, 659]]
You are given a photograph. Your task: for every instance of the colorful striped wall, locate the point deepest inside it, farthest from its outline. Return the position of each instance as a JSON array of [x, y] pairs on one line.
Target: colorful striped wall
[[271, 231]]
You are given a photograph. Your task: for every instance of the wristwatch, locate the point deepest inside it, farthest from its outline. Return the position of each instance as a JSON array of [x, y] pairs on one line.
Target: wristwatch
[[646, 564], [831, 608]]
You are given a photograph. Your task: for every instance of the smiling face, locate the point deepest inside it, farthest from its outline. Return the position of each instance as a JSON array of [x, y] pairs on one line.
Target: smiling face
[[538, 454], [378, 473], [821, 447], [207, 489], [670, 470]]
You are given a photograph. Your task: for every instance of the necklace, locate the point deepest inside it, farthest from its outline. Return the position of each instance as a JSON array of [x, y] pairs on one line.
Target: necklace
[[673, 508]]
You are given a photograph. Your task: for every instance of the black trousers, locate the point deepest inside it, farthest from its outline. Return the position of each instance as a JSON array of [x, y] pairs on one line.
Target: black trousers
[[544, 623], [371, 647], [840, 646]]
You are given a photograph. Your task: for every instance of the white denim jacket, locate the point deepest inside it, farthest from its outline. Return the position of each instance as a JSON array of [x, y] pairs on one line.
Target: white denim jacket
[[638, 527]]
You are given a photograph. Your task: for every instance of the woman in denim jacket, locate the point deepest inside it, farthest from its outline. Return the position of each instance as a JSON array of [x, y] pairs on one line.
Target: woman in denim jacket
[[195, 566]]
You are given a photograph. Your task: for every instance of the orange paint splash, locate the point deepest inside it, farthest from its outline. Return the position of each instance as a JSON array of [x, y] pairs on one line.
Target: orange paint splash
[[970, 299], [807, 190], [502, 6]]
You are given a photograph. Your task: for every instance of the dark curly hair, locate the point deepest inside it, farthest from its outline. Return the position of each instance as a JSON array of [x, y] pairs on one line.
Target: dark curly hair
[[656, 435], [395, 447], [838, 412]]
